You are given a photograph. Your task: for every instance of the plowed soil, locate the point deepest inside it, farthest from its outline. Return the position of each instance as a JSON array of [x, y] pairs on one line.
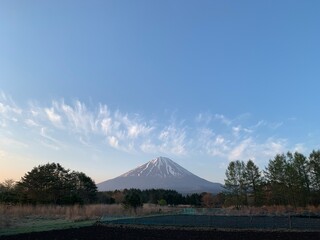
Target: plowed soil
[[111, 232]]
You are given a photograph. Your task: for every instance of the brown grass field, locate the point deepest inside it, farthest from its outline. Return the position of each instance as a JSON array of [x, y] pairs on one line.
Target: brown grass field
[[18, 216], [78, 222]]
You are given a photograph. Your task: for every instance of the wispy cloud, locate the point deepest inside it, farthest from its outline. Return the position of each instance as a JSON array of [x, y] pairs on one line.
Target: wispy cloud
[[31, 123], [275, 125], [205, 118], [242, 150], [214, 135], [12, 142], [49, 141], [106, 125], [9, 111], [113, 141], [52, 116], [223, 119], [173, 140], [169, 140], [75, 117]]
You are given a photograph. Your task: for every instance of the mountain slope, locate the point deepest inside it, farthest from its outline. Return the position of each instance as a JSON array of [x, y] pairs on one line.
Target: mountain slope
[[161, 173]]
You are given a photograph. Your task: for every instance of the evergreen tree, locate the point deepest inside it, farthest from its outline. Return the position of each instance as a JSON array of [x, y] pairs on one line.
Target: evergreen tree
[[8, 193], [276, 176], [51, 183], [254, 182], [236, 184], [300, 178], [84, 187], [133, 200], [314, 159]]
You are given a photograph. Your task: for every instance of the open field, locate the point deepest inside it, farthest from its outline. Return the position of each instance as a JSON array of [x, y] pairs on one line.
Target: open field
[[58, 222], [27, 218], [225, 222]]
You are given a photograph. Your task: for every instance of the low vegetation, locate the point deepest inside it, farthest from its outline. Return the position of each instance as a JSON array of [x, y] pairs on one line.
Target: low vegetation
[[26, 218]]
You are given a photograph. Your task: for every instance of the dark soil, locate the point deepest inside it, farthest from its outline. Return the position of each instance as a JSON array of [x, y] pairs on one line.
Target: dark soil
[[104, 232]]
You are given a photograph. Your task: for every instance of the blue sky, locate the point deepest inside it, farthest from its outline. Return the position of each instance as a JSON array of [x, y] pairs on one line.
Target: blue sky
[[105, 86]]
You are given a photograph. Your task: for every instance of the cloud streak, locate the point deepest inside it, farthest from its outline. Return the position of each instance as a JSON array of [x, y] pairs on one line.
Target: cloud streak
[[214, 135], [52, 116]]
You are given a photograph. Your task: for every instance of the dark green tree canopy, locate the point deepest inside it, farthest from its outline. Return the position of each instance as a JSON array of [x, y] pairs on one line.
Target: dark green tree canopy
[[51, 183], [133, 200]]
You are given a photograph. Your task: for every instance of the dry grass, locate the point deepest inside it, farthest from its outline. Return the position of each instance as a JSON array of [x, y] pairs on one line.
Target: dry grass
[[274, 210], [17, 214]]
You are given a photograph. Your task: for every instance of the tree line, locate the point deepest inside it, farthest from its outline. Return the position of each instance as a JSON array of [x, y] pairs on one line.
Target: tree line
[[50, 184], [289, 179], [159, 196]]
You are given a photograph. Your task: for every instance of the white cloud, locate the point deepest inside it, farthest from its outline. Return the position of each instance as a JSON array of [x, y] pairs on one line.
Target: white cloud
[[103, 110], [299, 147], [259, 124], [205, 118], [275, 125], [149, 147], [106, 125], [219, 140], [274, 146], [34, 112], [135, 130], [7, 105], [236, 130], [241, 150], [223, 119], [49, 145], [173, 140], [132, 127], [84, 142], [49, 141], [213, 135], [251, 148], [52, 116], [113, 141], [9, 112], [10, 141], [3, 108], [79, 118], [164, 135], [31, 123]]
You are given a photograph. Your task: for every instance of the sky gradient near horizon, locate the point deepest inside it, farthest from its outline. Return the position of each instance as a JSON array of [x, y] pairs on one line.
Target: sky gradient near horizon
[[105, 86]]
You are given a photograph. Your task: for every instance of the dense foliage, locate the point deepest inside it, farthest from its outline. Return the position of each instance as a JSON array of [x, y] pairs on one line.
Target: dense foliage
[[50, 184], [289, 179], [136, 197]]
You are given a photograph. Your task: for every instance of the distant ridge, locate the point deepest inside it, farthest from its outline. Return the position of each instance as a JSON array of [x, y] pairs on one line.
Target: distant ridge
[[164, 173]]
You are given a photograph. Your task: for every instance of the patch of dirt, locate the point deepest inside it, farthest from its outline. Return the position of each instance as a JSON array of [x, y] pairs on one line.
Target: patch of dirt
[[104, 232]]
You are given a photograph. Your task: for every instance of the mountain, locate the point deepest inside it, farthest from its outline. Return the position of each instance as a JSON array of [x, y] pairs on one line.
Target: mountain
[[161, 173]]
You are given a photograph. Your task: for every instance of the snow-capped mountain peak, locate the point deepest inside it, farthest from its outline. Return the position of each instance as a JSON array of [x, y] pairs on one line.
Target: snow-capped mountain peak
[[159, 167], [160, 173]]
